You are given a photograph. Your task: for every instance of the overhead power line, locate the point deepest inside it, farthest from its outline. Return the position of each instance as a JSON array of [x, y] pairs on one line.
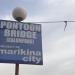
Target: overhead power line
[[55, 22], [48, 22], [51, 21]]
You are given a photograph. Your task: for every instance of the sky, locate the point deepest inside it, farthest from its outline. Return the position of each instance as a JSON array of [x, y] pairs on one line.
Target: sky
[[58, 45]]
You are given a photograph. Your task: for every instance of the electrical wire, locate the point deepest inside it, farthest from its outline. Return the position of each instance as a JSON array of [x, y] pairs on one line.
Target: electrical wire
[[55, 22], [51, 21], [47, 22]]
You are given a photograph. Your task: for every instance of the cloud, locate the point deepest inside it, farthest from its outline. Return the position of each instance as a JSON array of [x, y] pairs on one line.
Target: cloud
[[7, 69], [58, 46]]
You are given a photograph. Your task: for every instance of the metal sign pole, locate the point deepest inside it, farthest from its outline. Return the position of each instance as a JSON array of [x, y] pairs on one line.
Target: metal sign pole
[[16, 69], [19, 19]]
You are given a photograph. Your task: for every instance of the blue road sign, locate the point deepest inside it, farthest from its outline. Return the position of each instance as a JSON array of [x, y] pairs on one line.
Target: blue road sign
[[20, 43]]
